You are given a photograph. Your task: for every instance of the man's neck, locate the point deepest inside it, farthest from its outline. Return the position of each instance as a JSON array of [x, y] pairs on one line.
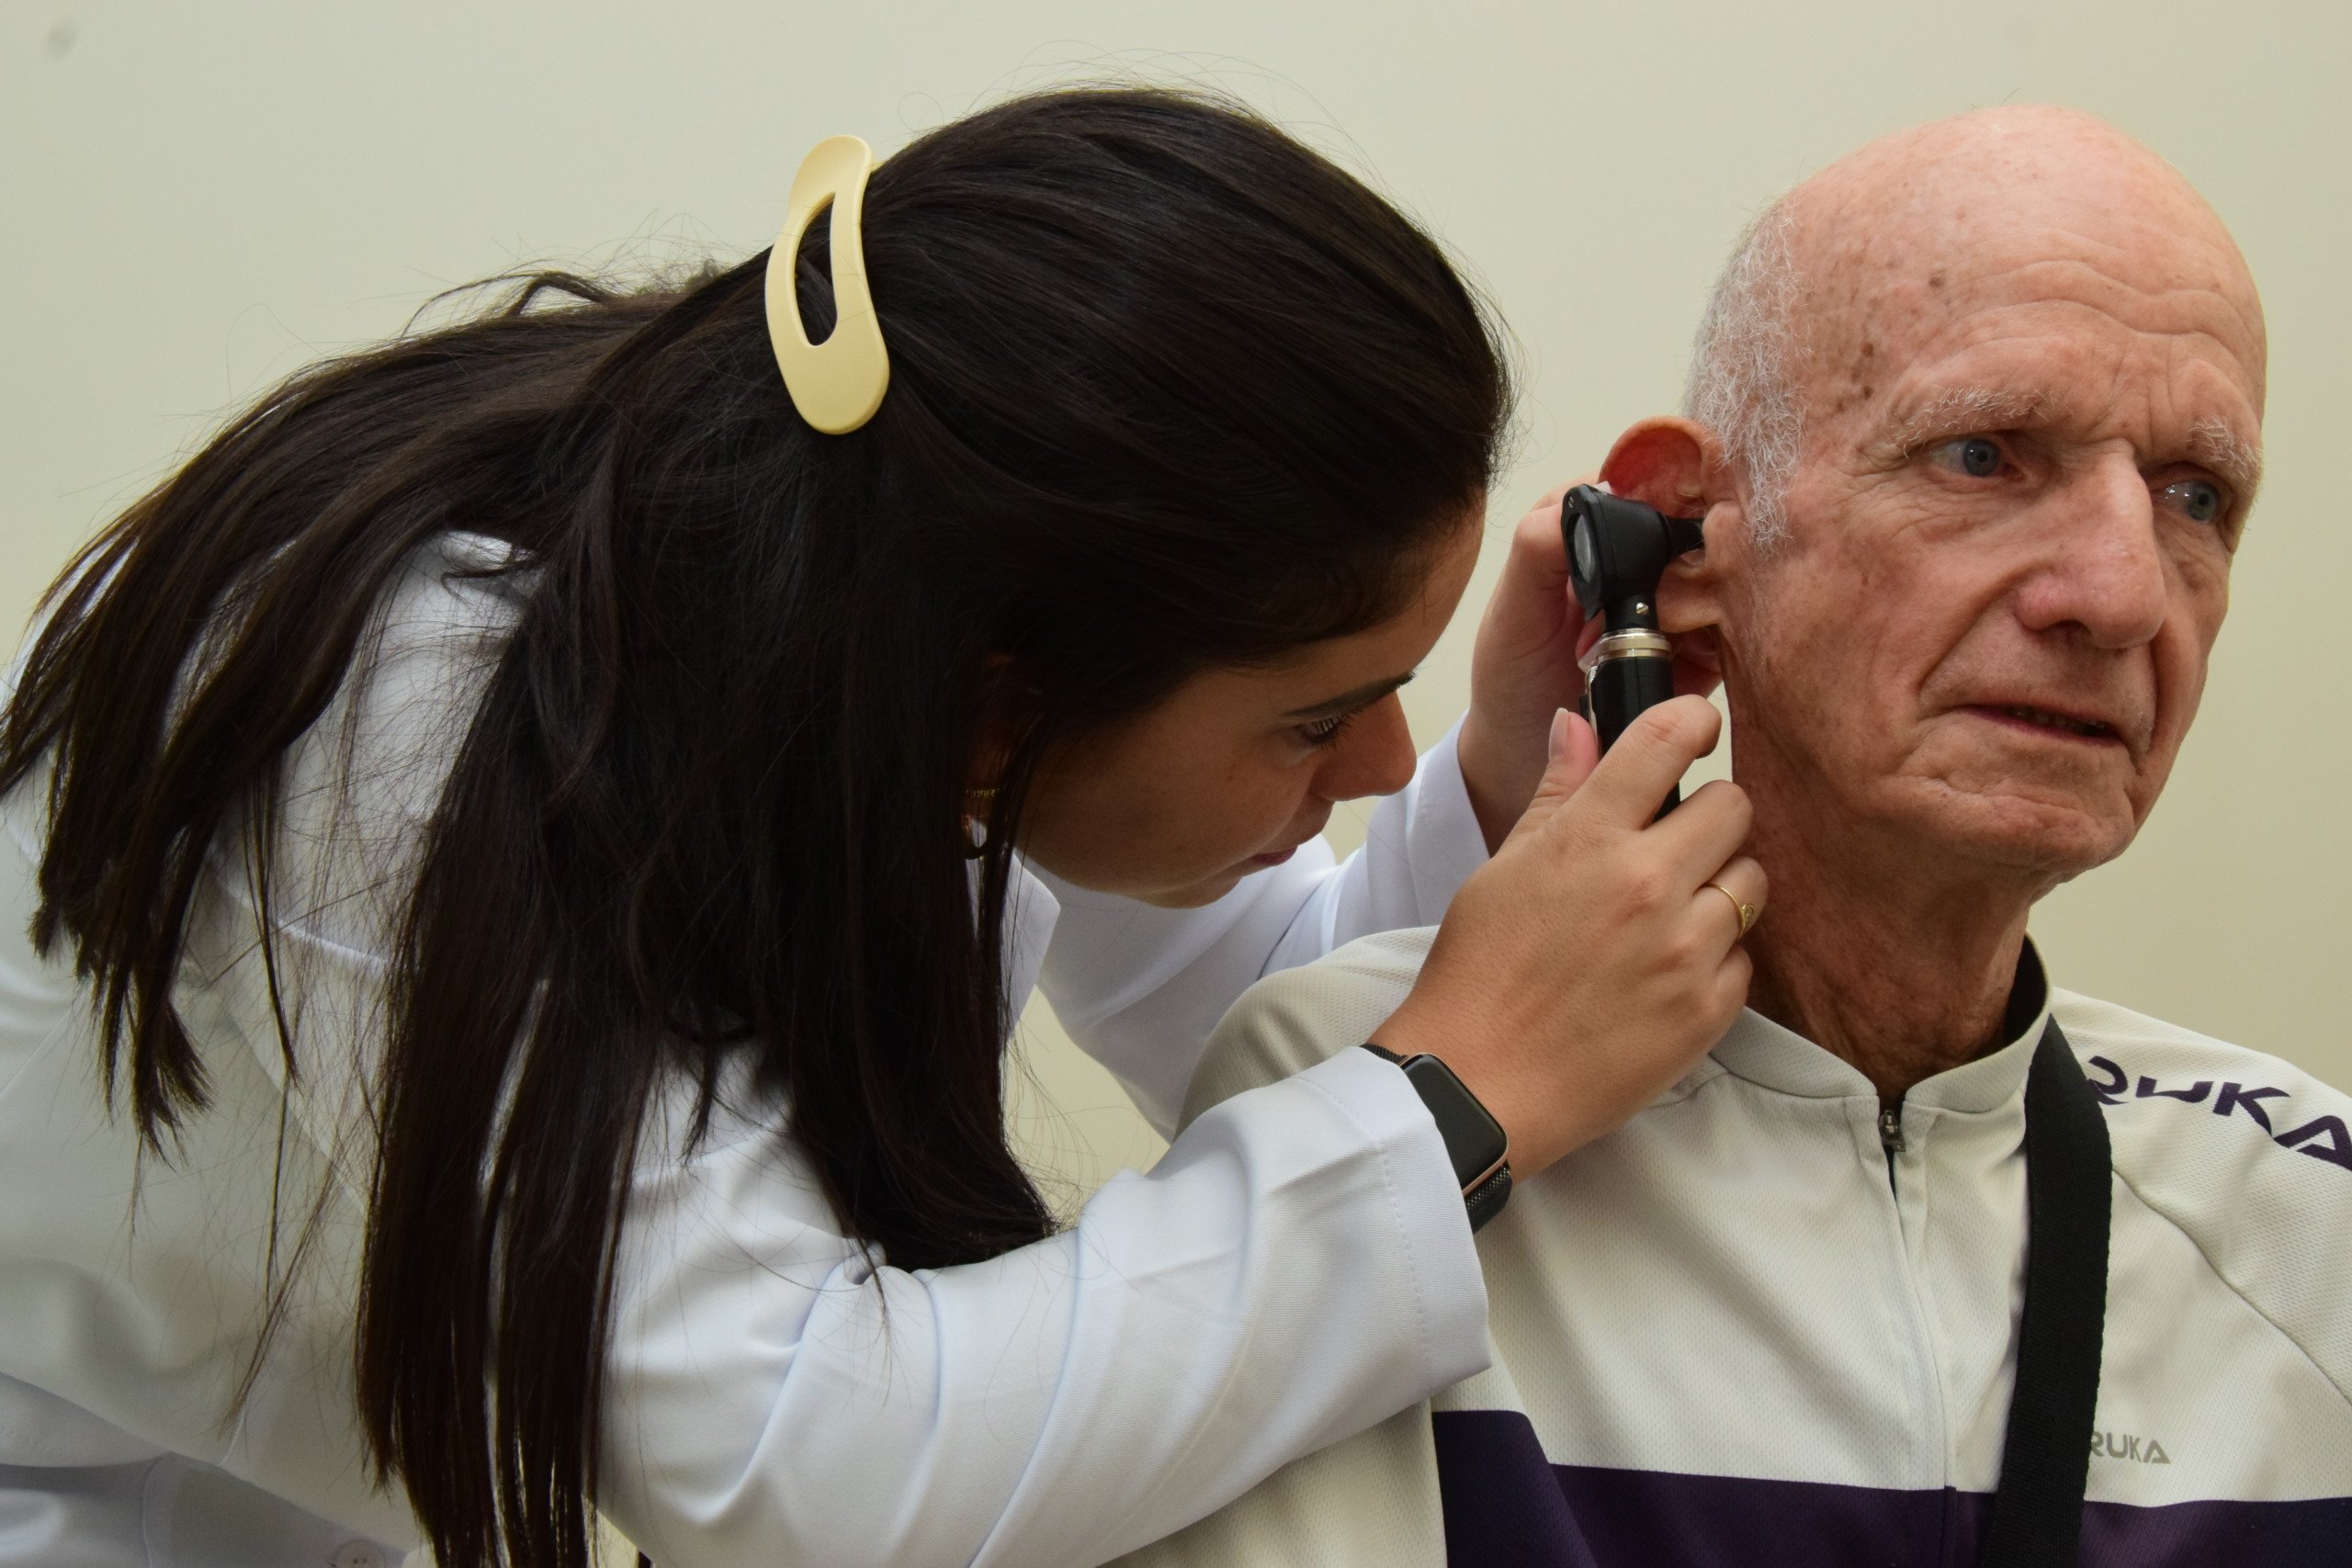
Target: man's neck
[[1899, 970]]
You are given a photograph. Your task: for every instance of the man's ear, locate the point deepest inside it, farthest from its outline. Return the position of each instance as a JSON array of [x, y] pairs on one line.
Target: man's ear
[[1677, 467], [1662, 462]]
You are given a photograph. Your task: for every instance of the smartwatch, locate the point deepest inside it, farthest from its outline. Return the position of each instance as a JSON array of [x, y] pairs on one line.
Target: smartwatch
[[1474, 1139]]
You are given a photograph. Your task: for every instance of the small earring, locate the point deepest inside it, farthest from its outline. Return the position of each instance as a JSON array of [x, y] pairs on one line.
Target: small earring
[[976, 831]]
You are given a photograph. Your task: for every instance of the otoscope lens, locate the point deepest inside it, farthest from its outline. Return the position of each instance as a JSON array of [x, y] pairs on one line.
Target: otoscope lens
[[1587, 564]]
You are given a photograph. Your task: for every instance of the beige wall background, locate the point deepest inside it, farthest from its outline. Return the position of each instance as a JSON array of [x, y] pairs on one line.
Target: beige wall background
[[198, 199]]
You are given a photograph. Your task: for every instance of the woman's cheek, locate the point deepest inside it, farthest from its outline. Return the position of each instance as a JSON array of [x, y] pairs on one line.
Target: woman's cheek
[[1280, 811]]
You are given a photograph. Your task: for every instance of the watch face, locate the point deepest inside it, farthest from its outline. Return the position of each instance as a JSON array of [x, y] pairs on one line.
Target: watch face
[[1474, 1139]]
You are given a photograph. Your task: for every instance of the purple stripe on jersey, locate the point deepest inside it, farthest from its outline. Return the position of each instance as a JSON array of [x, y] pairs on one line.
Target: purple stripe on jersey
[[1508, 1506], [1504, 1504]]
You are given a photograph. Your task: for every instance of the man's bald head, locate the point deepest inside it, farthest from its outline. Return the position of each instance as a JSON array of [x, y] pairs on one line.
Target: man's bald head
[[1902, 230]]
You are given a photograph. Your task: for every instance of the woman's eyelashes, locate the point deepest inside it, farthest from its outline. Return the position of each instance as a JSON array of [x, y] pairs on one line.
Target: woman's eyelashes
[[1324, 731]]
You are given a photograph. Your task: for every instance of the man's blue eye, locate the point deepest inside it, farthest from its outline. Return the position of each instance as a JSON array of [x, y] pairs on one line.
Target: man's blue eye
[[2199, 499], [1979, 456]]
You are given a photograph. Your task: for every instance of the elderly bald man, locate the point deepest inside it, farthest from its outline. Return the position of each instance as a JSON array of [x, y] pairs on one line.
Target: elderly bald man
[[1974, 425]]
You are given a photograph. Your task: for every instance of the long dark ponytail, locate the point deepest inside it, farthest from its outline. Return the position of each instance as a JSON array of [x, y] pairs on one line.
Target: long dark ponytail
[[1169, 393]]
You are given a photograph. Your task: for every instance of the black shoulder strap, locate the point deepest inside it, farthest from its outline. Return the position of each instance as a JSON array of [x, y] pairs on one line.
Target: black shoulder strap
[[2046, 1456]]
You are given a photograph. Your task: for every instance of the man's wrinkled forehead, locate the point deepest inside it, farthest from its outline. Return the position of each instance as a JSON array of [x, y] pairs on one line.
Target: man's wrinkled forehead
[[2009, 260]]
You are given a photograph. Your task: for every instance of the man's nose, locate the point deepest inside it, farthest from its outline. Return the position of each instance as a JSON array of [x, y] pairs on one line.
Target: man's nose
[[2106, 570], [1375, 757]]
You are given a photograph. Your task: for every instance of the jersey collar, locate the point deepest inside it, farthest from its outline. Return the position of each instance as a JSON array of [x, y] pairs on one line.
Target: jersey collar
[[1763, 1053]]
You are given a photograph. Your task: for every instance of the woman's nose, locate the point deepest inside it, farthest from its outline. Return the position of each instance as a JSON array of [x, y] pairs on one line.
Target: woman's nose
[[1375, 757]]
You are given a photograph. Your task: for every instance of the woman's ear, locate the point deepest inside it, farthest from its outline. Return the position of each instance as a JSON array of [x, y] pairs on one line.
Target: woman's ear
[[1006, 712], [1671, 463]]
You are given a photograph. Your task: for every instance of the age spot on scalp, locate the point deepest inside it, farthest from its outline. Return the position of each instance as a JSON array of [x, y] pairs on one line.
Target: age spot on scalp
[[1934, 280]]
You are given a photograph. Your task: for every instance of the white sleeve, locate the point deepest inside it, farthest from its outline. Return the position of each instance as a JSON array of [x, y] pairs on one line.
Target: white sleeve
[[1139, 988], [1296, 1269]]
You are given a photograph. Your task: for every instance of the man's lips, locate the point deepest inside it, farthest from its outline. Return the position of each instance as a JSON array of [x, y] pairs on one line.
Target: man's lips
[[2049, 721], [1274, 859]]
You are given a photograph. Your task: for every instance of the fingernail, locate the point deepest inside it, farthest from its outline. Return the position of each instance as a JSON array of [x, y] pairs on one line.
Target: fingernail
[[1559, 734]]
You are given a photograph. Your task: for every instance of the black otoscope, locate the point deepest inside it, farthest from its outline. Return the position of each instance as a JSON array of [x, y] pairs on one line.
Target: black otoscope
[[1618, 549]]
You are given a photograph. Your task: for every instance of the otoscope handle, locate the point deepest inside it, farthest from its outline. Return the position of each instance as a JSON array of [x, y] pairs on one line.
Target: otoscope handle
[[1617, 690]]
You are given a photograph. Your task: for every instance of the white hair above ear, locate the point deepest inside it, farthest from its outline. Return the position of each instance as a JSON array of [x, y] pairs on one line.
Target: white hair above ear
[[1742, 384]]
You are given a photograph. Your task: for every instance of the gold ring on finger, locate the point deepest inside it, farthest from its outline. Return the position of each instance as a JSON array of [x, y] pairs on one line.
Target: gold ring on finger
[[1745, 913]]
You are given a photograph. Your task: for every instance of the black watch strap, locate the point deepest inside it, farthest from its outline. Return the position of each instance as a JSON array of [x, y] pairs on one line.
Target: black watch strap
[[1475, 1143], [1486, 1200]]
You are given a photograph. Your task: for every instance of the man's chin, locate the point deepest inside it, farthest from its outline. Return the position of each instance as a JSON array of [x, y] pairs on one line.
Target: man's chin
[[2048, 839]]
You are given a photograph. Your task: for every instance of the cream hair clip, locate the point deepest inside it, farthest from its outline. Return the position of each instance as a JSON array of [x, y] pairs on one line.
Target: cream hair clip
[[836, 384]]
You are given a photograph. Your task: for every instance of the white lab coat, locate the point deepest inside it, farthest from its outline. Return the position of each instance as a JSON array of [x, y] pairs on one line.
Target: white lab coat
[[1296, 1268]]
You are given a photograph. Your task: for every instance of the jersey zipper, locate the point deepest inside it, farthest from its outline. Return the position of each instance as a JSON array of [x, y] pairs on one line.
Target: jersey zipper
[[1928, 1449], [1890, 1136]]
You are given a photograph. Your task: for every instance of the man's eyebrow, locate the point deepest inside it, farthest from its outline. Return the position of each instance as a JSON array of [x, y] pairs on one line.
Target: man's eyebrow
[[2212, 443], [1348, 702], [1956, 409]]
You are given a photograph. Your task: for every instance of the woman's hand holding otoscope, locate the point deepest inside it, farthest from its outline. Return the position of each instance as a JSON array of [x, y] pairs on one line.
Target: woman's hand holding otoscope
[[1586, 966], [1588, 963], [1535, 633]]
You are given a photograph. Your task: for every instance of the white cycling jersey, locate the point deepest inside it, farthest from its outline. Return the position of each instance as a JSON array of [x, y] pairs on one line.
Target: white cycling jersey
[[1746, 1328]]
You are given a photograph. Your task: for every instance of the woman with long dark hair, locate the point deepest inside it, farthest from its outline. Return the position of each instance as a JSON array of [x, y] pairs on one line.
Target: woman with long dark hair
[[523, 852]]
